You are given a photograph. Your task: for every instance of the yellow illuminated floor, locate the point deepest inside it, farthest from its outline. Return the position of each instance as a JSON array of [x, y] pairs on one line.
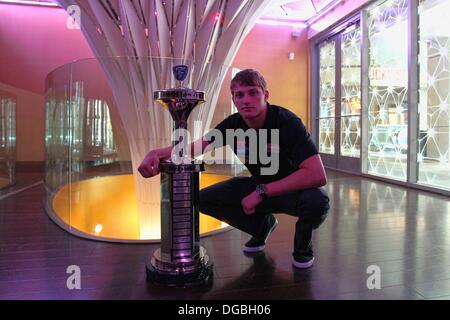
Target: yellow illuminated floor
[[106, 207]]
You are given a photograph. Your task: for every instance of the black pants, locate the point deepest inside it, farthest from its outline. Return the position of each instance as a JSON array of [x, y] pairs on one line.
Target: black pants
[[223, 201]]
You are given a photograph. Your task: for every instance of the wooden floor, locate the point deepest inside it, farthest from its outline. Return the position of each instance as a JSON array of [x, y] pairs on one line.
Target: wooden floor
[[405, 232]]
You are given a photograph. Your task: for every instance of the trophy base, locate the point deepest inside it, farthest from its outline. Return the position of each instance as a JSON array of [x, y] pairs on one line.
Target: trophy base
[[198, 272], [201, 277]]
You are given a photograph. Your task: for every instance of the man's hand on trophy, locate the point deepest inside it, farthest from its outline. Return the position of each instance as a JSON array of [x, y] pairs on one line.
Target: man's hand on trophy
[[149, 167]]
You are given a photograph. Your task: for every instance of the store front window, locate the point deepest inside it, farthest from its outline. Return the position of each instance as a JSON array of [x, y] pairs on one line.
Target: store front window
[[383, 84], [434, 86], [387, 90]]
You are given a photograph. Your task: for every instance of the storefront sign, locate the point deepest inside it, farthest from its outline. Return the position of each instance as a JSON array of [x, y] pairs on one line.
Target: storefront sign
[[386, 77]]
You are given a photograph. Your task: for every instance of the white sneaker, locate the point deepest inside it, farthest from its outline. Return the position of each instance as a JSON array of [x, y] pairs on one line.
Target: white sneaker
[[304, 263]]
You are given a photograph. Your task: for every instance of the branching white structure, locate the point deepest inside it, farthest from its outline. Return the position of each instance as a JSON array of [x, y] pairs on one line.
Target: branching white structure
[[137, 42]]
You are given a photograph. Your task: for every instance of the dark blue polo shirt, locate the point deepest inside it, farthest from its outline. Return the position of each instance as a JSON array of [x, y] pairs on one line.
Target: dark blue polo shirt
[[294, 145]]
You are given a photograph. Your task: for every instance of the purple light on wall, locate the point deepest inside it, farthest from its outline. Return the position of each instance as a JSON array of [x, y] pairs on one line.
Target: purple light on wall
[[44, 3]]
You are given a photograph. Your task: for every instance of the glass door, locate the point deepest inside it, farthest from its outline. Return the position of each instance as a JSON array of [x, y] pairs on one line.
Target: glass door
[[339, 117], [327, 102]]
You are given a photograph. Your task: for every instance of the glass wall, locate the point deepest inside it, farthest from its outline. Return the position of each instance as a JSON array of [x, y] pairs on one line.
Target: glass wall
[[79, 142], [91, 188], [66, 126], [327, 97], [7, 139], [392, 76], [387, 90], [57, 137], [434, 86]]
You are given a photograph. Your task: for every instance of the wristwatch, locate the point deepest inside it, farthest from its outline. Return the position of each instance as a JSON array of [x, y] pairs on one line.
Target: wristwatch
[[261, 191]]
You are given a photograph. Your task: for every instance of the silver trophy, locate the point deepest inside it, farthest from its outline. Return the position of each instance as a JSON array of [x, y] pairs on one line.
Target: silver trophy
[[180, 261]]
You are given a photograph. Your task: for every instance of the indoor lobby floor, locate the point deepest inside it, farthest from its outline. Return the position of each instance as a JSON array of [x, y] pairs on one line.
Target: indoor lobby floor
[[404, 232]]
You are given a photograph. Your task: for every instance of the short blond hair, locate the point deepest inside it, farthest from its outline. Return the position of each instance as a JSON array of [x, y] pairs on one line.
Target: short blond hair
[[248, 77]]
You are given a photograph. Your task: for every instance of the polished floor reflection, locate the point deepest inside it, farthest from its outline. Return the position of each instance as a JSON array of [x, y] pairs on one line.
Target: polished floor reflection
[[404, 232]]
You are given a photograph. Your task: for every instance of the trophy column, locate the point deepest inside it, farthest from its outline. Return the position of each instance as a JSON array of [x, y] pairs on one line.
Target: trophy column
[[180, 261]]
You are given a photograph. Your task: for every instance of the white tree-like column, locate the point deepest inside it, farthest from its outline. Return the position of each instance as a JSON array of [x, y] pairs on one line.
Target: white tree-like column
[[137, 42]]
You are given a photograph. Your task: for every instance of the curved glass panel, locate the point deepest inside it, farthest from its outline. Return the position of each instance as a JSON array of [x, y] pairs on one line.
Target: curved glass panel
[[97, 133], [7, 139]]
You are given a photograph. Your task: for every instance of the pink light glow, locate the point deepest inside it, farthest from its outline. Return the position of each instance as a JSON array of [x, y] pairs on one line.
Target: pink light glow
[[319, 25], [29, 2], [36, 43], [278, 22]]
